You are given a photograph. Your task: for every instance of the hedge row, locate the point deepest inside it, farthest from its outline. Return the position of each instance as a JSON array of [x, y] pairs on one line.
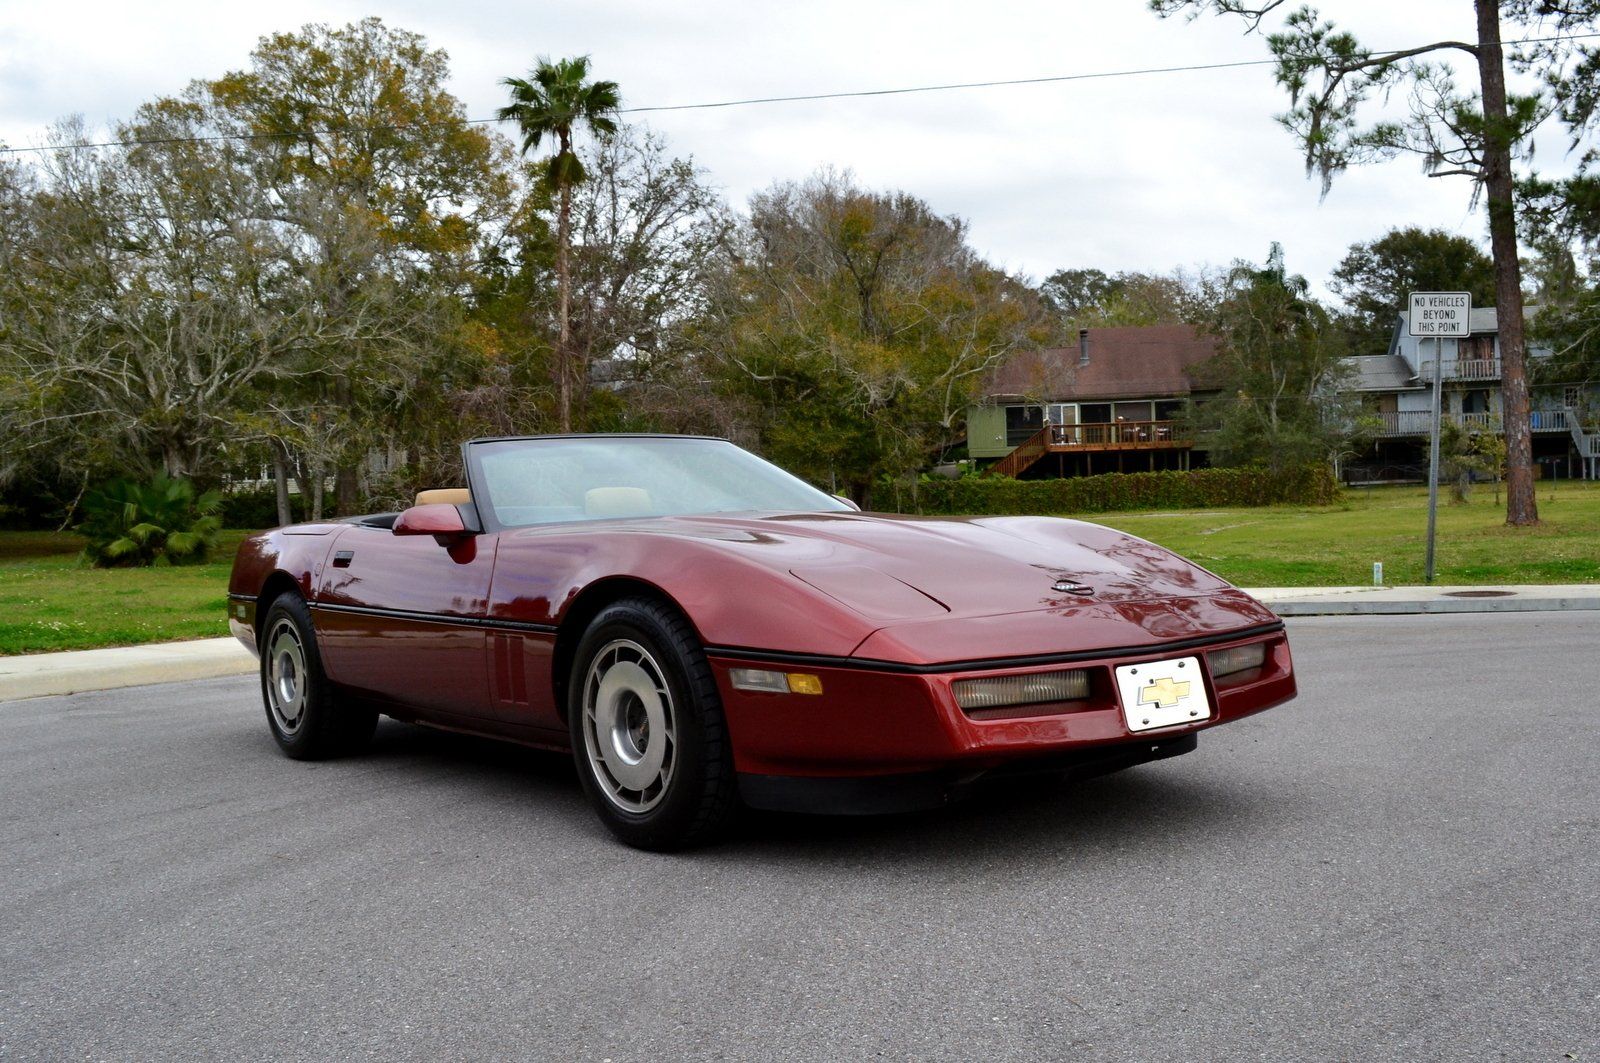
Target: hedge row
[[257, 507], [1197, 489]]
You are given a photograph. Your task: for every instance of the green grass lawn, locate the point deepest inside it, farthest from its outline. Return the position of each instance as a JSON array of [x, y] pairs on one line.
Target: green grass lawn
[[1293, 546], [50, 600]]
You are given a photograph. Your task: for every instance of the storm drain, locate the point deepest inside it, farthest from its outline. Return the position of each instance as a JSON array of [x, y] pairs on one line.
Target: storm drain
[[1480, 594]]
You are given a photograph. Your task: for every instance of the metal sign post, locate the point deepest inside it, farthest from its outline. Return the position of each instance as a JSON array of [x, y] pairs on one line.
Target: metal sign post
[[1433, 456], [1438, 314]]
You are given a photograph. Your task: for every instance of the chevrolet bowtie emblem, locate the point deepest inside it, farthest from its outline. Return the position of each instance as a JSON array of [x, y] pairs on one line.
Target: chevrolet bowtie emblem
[[1163, 693]]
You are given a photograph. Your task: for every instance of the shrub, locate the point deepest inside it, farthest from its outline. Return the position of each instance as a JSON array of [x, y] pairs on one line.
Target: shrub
[[163, 522], [257, 507], [1197, 489]]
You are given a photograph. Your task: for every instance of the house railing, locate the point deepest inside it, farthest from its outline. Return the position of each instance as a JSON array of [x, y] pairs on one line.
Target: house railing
[[1419, 422], [1117, 435], [1461, 369]]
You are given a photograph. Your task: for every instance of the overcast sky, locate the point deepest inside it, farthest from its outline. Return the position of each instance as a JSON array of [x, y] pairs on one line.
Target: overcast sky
[[1141, 173]]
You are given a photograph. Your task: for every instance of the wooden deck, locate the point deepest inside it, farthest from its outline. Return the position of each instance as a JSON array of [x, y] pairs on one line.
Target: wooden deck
[[1092, 438]]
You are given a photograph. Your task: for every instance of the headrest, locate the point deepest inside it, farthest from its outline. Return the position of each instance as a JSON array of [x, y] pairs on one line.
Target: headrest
[[617, 502], [450, 496]]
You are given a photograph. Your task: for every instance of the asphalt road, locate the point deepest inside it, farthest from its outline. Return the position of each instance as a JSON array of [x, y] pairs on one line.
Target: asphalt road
[[1402, 864]]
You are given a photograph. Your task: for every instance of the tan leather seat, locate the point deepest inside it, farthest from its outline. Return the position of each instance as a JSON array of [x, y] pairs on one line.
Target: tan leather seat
[[450, 496], [617, 502]]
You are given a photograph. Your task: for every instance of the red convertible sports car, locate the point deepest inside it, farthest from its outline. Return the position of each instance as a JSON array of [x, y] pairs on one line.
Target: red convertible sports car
[[705, 631]]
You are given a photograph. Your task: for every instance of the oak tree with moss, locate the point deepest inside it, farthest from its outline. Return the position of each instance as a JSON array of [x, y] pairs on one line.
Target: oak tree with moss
[[1334, 83]]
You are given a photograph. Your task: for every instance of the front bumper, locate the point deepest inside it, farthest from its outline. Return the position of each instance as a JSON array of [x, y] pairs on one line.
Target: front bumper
[[871, 722], [864, 795], [242, 621]]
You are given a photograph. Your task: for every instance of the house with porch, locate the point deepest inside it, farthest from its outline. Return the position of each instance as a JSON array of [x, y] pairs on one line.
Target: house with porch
[[1111, 403], [1396, 388]]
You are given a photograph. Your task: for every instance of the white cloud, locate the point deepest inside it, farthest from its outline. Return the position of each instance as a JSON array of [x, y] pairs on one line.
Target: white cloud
[[1127, 173]]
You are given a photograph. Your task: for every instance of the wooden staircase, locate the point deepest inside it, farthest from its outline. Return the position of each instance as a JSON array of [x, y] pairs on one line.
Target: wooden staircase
[[1588, 445], [1031, 450]]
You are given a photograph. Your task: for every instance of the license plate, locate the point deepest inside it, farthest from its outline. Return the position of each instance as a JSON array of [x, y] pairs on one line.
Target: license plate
[[1162, 693]]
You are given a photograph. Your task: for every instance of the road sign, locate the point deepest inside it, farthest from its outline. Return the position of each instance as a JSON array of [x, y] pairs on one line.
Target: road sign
[[1441, 314]]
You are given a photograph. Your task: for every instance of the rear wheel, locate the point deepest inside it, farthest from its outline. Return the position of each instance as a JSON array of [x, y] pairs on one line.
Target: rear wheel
[[648, 735], [307, 717]]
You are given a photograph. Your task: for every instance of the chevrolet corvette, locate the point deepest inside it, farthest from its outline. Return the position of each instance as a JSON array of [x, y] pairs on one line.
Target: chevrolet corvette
[[706, 632]]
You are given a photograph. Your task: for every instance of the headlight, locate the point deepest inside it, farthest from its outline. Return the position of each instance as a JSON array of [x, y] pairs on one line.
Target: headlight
[[1029, 689], [1237, 659]]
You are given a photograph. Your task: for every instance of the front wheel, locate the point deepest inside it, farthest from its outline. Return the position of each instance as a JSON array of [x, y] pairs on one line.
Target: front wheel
[[308, 718], [648, 735]]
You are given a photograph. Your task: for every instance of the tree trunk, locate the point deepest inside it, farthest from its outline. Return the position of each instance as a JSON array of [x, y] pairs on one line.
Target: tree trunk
[[860, 492], [563, 310], [1521, 505], [301, 469], [172, 459], [318, 476], [347, 490], [280, 481], [346, 485]]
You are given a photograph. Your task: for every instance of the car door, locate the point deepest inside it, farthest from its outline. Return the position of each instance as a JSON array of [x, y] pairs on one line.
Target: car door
[[400, 617], [533, 572]]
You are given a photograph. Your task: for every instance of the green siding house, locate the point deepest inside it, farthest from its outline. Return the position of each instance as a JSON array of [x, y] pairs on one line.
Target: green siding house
[[1110, 404]]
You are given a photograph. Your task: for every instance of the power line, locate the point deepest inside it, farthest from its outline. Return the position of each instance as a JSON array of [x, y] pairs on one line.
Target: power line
[[758, 100], [952, 86]]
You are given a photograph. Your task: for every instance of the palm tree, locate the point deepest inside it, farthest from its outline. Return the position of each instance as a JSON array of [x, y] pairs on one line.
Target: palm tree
[[553, 101]]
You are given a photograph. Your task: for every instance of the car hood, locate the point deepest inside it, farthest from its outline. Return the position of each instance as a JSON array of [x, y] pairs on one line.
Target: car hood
[[905, 589], [914, 568]]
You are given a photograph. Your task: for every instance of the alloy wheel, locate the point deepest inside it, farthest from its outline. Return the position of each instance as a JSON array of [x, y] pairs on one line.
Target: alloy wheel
[[629, 726]]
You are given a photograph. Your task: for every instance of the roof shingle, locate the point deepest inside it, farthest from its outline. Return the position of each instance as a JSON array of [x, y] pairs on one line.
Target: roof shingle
[[1143, 362]]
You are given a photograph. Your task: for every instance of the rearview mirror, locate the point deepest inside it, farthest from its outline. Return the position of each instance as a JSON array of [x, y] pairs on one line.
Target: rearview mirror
[[438, 519]]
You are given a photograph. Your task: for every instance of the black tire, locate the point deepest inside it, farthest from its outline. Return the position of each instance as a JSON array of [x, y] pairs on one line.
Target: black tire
[[307, 717], [631, 648]]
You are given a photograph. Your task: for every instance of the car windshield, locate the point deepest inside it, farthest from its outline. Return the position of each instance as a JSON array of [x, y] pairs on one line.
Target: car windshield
[[546, 481]]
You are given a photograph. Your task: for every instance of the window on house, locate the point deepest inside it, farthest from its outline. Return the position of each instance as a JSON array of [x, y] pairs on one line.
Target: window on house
[[1022, 422], [1572, 396], [1132, 411]]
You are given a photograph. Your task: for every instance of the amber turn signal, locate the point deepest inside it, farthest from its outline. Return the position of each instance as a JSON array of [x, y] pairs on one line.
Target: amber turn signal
[[801, 683]]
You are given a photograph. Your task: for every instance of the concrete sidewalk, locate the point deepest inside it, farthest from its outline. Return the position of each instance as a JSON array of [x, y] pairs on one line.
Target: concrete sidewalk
[[39, 675]]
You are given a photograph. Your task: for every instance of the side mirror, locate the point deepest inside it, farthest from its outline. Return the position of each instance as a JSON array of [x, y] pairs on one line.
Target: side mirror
[[849, 502], [438, 519]]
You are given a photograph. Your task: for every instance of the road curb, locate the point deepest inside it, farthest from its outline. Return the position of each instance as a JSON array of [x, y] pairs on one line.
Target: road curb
[[46, 674], [1382, 608], [1398, 601]]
